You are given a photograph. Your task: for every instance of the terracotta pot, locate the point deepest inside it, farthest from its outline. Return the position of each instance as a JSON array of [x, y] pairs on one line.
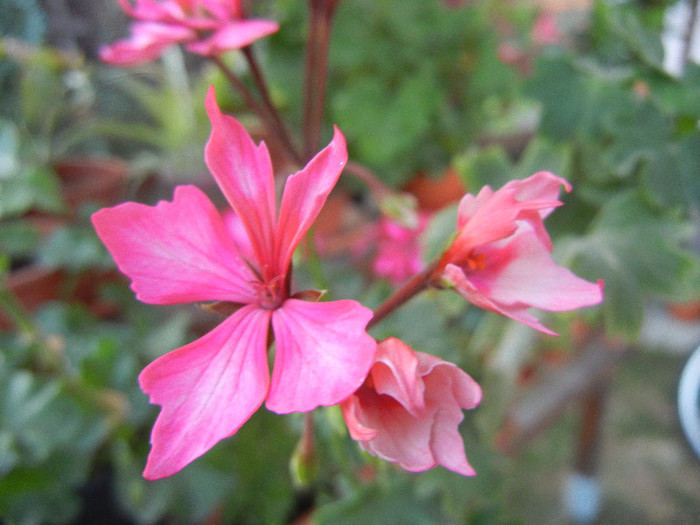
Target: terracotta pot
[[685, 311], [83, 180], [434, 193], [88, 179], [33, 286]]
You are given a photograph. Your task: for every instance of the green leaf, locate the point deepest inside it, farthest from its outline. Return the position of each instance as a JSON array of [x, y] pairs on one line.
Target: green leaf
[[395, 503], [75, 249], [639, 253], [9, 149]]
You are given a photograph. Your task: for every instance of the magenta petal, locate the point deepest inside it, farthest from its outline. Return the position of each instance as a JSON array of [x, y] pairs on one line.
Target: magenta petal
[[207, 389], [234, 35], [243, 171], [323, 354], [175, 252], [305, 192]]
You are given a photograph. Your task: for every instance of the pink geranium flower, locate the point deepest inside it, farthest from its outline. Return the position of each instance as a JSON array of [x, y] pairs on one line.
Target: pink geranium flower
[[182, 251], [399, 252], [500, 259], [409, 408], [208, 27]]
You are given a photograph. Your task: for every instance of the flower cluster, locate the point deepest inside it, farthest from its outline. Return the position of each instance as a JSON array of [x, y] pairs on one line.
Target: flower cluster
[[207, 27], [402, 405]]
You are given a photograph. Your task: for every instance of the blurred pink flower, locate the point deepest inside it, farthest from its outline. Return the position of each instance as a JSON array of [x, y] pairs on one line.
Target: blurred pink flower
[[182, 251], [399, 252], [500, 259], [208, 27], [409, 409], [545, 29]]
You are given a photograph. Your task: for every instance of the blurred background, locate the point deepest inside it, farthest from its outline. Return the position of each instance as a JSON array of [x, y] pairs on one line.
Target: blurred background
[[437, 99]]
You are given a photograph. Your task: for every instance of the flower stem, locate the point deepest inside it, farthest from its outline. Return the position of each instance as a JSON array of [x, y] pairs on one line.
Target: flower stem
[[267, 119], [320, 20], [280, 128], [413, 287], [16, 312], [376, 186]]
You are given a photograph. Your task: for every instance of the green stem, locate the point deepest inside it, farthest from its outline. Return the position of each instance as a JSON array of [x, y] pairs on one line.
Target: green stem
[[16, 312]]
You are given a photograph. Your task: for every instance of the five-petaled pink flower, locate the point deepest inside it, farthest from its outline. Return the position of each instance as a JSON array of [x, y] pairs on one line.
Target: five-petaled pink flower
[[182, 251], [500, 259], [208, 27], [409, 408]]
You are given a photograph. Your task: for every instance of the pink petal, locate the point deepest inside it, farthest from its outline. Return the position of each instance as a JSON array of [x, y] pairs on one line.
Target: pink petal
[[323, 354], [234, 35], [464, 287], [523, 272], [400, 437], [305, 192], [207, 389], [447, 388], [147, 42], [243, 171], [352, 414], [491, 216], [175, 252], [395, 373]]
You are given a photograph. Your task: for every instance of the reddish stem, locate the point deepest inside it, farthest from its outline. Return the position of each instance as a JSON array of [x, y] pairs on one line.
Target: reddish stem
[[264, 115], [320, 20], [279, 127], [413, 287]]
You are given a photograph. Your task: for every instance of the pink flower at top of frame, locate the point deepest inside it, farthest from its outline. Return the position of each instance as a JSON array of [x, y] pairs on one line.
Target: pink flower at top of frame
[[207, 27], [183, 251], [409, 409]]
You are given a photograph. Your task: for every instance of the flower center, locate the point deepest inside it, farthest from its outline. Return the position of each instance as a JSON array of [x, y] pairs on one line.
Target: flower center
[[271, 293], [475, 261]]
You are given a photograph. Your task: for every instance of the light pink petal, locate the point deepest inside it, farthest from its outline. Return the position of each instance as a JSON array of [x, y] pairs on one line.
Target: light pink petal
[[234, 35], [243, 171], [352, 414], [175, 252], [495, 219], [387, 429], [323, 354], [542, 186], [464, 287], [305, 192], [523, 272], [147, 42], [395, 373], [207, 390], [491, 216], [445, 387], [400, 437], [464, 389]]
